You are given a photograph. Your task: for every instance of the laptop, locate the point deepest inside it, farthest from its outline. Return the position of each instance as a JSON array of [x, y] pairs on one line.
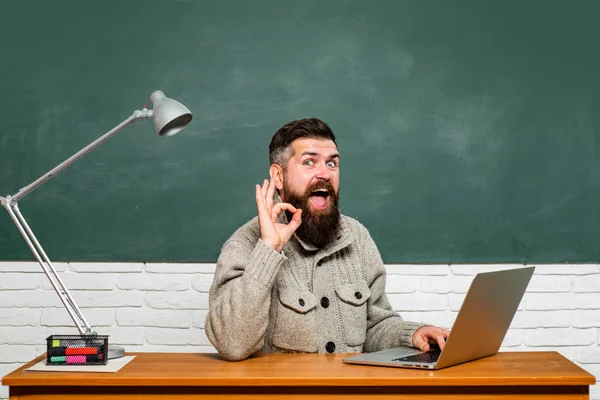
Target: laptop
[[478, 331]]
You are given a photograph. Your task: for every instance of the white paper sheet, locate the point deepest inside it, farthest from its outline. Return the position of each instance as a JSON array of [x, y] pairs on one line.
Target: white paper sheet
[[111, 366]]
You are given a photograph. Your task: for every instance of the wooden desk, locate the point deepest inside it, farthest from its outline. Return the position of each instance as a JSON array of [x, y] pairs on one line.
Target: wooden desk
[[520, 375]]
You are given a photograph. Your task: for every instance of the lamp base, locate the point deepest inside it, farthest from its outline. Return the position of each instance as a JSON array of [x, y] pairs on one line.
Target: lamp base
[[115, 352]]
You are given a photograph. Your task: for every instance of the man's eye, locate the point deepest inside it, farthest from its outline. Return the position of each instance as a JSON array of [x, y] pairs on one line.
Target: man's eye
[[308, 162], [331, 164]]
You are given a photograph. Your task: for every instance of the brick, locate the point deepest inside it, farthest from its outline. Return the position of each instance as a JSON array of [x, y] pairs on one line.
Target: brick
[[29, 299], [593, 369], [154, 318], [83, 281], [198, 318], [513, 338], [29, 266], [202, 282], [168, 336], [562, 301], [444, 319], [180, 268], [549, 283], [595, 389], [15, 353], [29, 335], [149, 282], [413, 316], [20, 281], [4, 390], [588, 355], [19, 317], [95, 317], [542, 319], [444, 284], [108, 267], [559, 337], [123, 336], [103, 299], [416, 269], [188, 300], [473, 269], [418, 302], [586, 318], [401, 284], [586, 284], [568, 269]]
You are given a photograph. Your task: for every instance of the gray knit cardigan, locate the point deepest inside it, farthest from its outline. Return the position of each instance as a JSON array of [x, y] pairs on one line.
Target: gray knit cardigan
[[303, 299]]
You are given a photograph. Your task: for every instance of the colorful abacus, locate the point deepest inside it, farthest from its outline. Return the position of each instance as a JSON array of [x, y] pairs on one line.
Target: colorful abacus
[[76, 350]]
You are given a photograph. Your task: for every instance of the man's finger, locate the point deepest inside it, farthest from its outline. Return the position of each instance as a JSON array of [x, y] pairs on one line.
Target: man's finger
[[260, 205], [288, 230], [296, 220], [441, 341], [264, 189], [270, 194], [280, 207], [259, 199]]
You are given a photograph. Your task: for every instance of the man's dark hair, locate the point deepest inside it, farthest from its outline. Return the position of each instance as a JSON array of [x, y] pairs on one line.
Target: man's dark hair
[[281, 142]]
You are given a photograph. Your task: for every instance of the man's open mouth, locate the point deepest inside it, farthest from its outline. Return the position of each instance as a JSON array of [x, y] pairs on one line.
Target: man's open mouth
[[320, 198]]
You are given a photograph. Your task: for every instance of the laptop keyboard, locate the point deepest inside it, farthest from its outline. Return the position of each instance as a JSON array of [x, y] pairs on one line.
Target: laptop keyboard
[[429, 357]]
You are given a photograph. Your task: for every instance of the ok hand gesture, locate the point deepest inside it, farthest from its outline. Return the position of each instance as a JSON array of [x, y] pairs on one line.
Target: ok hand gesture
[[274, 234]]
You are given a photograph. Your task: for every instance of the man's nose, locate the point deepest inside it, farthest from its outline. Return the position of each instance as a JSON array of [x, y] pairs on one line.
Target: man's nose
[[323, 172]]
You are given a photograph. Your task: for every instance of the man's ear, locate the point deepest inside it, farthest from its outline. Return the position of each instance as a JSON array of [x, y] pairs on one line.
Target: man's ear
[[276, 173]]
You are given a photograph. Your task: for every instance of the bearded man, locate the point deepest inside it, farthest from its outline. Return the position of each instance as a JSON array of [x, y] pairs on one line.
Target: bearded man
[[301, 277]]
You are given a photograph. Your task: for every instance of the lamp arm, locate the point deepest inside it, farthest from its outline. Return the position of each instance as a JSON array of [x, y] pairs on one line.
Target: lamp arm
[[59, 287], [137, 115], [11, 205]]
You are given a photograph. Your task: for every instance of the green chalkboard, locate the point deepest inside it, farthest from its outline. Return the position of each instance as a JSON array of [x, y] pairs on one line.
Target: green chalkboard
[[469, 130]]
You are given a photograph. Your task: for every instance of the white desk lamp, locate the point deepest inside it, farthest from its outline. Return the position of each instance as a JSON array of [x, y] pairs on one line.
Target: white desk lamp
[[169, 118]]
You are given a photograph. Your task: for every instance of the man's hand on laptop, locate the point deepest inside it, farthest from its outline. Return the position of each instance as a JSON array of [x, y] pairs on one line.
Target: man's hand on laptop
[[427, 336]]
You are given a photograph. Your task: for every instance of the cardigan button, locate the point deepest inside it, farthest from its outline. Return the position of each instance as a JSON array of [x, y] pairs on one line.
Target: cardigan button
[[324, 302], [358, 295], [330, 347], [320, 263], [301, 302]]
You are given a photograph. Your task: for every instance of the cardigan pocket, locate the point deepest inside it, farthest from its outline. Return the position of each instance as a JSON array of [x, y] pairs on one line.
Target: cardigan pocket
[[295, 320], [353, 307]]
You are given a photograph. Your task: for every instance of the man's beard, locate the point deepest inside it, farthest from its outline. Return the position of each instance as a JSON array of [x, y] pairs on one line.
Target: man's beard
[[319, 227]]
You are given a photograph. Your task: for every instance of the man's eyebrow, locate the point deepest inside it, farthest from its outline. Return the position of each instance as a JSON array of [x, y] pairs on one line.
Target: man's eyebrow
[[314, 154]]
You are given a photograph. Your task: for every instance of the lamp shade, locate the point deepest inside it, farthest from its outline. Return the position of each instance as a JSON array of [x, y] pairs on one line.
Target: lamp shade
[[169, 116]]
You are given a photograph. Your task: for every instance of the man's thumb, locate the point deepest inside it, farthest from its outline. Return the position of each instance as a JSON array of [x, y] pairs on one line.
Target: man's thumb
[[297, 218], [422, 344]]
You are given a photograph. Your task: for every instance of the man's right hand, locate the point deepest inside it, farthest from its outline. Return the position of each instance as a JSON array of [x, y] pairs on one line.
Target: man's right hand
[[274, 234]]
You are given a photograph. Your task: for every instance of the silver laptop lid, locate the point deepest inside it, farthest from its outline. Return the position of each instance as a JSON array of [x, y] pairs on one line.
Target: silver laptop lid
[[485, 315]]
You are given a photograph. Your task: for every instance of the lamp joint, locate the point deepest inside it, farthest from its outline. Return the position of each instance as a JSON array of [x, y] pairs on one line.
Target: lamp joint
[[6, 201], [142, 114]]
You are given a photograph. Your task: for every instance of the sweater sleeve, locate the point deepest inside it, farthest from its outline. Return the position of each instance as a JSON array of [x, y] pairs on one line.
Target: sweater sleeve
[[240, 296], [385, 327]]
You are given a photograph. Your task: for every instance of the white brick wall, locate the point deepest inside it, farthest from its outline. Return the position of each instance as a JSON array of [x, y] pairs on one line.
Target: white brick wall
[[161, 307]]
